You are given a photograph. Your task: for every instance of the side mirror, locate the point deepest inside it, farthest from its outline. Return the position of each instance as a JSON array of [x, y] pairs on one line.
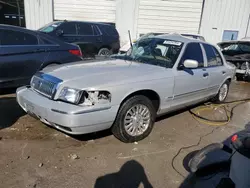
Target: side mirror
[[59, 32], [190, 64]]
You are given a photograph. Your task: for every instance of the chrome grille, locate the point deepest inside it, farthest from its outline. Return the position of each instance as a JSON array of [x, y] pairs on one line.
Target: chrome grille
[[44, 84]]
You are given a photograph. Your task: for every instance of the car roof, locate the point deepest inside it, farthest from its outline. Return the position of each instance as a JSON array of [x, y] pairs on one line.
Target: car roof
[[5, 26], [22, 29], [179, 38], [196, 35], [96, 23]]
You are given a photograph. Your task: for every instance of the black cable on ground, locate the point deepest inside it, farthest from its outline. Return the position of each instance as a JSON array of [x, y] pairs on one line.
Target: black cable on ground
[[187, 147], [229, 113], [208, 121]]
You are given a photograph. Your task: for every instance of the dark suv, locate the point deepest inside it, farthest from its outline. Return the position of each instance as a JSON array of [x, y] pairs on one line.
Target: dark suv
[[93, 38], [23, 52]]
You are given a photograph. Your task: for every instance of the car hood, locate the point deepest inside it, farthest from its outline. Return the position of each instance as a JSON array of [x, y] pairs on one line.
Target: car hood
[[233, 55], [108, 72]]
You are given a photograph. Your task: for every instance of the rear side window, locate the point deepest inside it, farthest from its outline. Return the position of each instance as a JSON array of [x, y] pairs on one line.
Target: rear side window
[[218, 57], [213, 56], [84, 29], [108, 30], [68, 28], [193, 52], [10, 37]]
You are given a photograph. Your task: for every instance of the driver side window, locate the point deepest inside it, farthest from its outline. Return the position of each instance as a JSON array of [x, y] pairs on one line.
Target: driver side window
[[193, 52]]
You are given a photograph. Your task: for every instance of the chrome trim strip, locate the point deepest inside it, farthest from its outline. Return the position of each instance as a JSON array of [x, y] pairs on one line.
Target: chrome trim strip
[[192, 92], [82, 112]]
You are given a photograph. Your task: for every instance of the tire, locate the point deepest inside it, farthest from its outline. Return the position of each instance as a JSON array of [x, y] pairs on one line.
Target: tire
[[104, 52], [221, 99], [146, 110]]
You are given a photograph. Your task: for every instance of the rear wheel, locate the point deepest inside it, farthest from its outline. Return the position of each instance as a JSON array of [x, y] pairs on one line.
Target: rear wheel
[[104, 52], [223, 92], [135, 119]]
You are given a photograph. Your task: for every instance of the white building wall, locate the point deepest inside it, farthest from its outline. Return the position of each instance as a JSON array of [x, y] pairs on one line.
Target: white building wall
[[85, 10], [220, 15], [165, 16], [38, 13], [126, 19]]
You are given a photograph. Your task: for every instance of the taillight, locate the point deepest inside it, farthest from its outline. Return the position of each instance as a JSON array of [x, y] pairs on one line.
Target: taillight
[[76, 52]]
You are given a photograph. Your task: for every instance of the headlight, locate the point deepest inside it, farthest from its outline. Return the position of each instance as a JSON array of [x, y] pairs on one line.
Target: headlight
[[88, 98], [70, 95]]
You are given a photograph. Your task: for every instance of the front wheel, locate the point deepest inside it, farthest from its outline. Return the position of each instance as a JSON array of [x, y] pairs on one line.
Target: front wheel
[[134, 120], [223, 92]]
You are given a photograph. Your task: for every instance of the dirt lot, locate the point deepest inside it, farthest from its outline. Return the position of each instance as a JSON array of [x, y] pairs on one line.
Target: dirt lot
[[34, 155]]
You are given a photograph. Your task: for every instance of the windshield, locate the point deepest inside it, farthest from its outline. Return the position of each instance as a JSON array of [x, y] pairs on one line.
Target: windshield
[[50, 27], [238, 47], [154, 51]]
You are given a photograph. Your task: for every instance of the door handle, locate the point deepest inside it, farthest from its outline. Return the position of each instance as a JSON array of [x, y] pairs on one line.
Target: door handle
[[205, 74], [223, 72]]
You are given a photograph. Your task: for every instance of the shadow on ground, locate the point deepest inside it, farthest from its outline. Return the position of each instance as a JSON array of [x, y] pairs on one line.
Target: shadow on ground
[[214, 173], [10, 112], [130, 175], [7, 91], [105, 133], [92, 136]]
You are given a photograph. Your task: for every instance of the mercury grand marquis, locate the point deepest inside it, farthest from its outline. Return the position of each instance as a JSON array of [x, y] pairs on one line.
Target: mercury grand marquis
[[125, 94]]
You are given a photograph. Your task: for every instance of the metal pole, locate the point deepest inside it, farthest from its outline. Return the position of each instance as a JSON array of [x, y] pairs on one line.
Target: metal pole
[[248, 22], [202, 10], [19, 14]]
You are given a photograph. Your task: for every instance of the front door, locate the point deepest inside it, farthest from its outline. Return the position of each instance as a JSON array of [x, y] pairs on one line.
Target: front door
[[215, 68], [190, 84]]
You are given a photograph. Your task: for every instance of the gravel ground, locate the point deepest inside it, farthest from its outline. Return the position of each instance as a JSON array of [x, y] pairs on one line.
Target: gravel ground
[[34, 155]]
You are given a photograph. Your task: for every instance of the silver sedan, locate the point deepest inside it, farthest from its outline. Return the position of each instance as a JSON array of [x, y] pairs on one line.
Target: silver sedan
[[158, 75]]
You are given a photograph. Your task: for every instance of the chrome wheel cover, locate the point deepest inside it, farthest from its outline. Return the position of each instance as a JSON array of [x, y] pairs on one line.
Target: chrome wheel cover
[[223, 92], [137, 120], [105, 53]]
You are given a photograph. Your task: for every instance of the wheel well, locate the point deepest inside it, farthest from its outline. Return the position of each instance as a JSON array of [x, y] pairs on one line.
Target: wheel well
[[229, 79], [152, 95], [105, 46]]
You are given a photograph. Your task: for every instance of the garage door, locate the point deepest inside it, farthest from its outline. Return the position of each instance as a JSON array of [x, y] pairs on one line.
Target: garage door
[[165, 16], [87, 10]]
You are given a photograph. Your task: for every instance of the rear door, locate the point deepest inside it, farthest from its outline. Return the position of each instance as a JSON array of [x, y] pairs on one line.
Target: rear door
[[87, 40], [215, 68], [191, 84], [20, 58]]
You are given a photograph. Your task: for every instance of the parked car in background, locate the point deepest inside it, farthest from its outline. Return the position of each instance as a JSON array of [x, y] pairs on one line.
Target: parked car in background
[[24, 52], [92, 37], [238, 53], [126, 47], [159, 75]]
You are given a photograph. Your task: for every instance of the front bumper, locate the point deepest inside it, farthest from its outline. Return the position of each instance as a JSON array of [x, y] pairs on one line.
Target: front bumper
[[69, 118]]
